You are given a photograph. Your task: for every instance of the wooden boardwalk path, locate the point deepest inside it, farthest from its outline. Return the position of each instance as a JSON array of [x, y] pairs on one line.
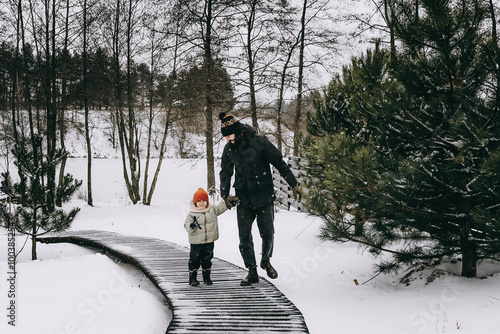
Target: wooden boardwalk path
[[224, 307]]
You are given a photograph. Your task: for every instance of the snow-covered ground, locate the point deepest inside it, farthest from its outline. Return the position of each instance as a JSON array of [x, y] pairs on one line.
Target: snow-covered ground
[[70, 289]]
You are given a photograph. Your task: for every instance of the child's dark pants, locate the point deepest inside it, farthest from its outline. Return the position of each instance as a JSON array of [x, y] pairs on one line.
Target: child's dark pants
[[201, 254]]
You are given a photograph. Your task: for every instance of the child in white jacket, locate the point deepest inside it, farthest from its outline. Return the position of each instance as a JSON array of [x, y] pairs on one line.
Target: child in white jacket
[[202, 227]]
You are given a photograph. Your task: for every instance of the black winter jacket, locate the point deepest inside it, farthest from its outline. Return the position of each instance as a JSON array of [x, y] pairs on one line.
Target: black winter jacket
[[250, 159]]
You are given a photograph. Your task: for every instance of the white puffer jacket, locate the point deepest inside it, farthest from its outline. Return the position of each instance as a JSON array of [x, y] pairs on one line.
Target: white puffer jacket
[[207, 218]]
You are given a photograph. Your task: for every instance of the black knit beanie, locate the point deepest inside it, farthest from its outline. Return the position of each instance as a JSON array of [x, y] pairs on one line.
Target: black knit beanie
[[229, 124]]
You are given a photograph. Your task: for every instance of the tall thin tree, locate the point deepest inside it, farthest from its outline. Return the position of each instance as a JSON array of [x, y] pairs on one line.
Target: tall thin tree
[[208, 30], [90, 200]]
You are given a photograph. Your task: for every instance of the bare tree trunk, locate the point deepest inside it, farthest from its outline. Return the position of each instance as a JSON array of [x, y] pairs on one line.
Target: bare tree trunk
[[51, 101], [148, 195], [16, 70], [90, 200], [281, 93], [168, 107], [33, 236], [210, 146], [118, 96], [133, 142], [122, 136], [279, 107], [209, 66], [126, 130], [17, 75], [62, 125], [148, 155], [162, 154], [17, 64], [298, 111], [145, 198], [251, 65], [468, 248], [202, 18], [289, 48], [389, 21]]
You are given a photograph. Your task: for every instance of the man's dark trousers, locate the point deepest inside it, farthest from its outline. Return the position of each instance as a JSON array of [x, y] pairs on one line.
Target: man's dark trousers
[[265, 223]]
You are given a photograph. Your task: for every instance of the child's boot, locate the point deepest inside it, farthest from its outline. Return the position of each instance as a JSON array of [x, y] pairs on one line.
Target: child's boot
[[206, 277], [192, 278]]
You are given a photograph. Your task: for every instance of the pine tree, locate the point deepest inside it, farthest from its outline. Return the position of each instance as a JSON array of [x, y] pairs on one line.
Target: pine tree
[[423, 168], [440, 66], [349, 153], [33, 216]]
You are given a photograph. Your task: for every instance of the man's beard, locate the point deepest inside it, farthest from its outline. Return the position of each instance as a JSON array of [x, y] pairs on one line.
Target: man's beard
[[237, 139]]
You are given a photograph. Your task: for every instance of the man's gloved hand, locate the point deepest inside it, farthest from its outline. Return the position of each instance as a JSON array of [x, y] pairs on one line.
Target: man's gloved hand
[[297, 193], [231, 201]]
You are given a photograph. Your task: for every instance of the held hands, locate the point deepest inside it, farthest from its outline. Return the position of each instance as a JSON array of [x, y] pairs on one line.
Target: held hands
[[231, 201], [297, 193]]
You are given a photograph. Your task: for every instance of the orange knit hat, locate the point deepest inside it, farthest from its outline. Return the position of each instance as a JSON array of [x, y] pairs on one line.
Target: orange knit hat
[[200, 195]]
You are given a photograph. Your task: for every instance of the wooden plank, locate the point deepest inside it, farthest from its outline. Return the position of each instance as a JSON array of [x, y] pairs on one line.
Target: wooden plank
[[224, 307]]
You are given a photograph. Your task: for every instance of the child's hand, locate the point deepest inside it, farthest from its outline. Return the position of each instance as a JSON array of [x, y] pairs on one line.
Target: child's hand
[[194, 224], [212, 191]]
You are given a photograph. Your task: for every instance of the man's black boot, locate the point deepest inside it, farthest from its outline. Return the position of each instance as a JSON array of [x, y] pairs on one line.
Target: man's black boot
[[266, 265], [252, 277]]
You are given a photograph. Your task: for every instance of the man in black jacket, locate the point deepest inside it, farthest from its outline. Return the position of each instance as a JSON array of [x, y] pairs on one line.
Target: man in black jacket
[[248, 156]]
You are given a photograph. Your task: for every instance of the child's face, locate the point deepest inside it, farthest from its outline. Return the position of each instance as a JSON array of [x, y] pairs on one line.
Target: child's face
[[201, 204]]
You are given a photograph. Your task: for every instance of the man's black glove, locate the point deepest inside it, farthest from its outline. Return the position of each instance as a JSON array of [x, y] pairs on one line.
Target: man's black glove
[[231, 201], [194, 224], [297, 193]]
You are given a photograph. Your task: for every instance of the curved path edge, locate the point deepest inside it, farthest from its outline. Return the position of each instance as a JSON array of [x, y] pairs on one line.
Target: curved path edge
[[224, 307]]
